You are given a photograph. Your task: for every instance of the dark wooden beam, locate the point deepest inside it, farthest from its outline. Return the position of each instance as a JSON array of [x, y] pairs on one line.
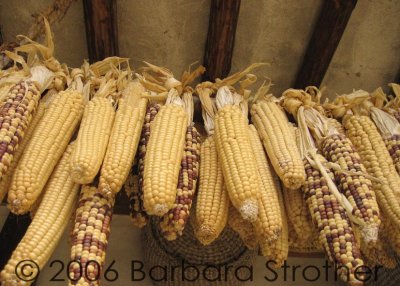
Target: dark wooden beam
[[327, 33], [224, 16], [12, 232], [101, 28]]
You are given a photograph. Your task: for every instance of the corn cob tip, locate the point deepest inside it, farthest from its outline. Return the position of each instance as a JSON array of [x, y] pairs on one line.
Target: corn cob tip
[[205, 234], [170, 235], [139, 222], [249, 210], [369, 233], [160, 209]]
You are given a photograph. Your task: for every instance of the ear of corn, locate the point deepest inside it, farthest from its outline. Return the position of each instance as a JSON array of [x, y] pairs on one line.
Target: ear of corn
[[299, 218], [15, 117], [45, 148], [393, 146], [136, 205], [162, 161], [174, 221], [268, 225], [350, 174], [6, 179], [334, 227], [48, 224], [369, 144], [90, 236], [92, 140], [274, 130], [308, 244], [243, 228], [124, 139], [236, 156], [278, 250], [212, 197]]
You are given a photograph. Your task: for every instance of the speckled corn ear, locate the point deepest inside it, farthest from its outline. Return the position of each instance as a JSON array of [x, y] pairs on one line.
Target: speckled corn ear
[[268, 225], [90, 236], [91, 143], [138, 213], [45, 148], [124, 139], [212, 197], [6, 178], [279, 142], [335, 230], [163, 159], [48, 225], [174, 221], [15, 117], [376, 158]]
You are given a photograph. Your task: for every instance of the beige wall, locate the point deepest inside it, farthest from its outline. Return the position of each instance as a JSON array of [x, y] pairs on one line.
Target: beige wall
[[173, 32]]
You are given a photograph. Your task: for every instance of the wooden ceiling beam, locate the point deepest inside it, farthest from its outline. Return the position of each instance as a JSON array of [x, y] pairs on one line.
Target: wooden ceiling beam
[[222, 25], [326, 36], [101, 28]]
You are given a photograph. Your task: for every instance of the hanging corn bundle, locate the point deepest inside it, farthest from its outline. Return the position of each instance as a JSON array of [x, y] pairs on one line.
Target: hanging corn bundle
[[173, 222], [48, 225], [124, 138], [90, 237], [212, 197], [47, 144], [326, 207], [351, 175], [136, 205]]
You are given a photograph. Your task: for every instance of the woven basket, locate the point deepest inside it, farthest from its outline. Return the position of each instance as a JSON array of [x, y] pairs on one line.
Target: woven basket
[[227, 250], [386, 277]]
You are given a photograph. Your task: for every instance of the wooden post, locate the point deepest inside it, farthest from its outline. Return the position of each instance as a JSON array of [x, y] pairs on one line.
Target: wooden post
[[327, 33], [224, 16], [101, 28]]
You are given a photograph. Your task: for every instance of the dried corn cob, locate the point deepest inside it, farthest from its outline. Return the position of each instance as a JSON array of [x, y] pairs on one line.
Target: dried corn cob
[[268, 225], [325, 206], [350, 173], [369, 144], [138, 213], [162, 161], [124, 139], [278, 250], [243, 228], [173, 222], [273, 128], [16, 113], [90, 236], [299, 244], [47, 227], [299, 219], [236, 155], [212, 198], [45, 148], [92, 140], [389, 129], [6, 179]]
